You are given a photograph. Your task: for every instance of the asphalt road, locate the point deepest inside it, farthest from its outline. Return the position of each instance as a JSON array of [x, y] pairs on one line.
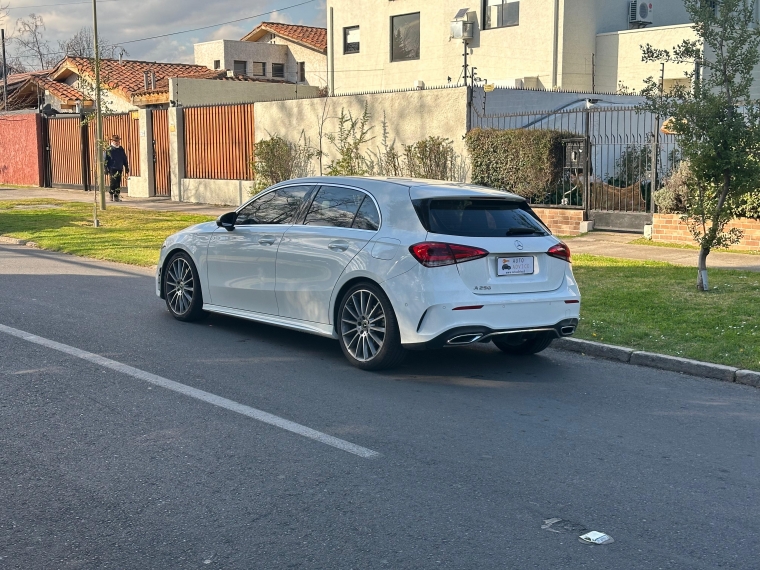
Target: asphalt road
[[102, 469]]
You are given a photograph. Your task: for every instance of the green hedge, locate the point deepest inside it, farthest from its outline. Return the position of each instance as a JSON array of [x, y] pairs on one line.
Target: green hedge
[[526, 162]]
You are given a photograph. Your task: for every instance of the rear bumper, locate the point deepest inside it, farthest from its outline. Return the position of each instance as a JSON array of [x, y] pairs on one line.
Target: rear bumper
[[460, 336]]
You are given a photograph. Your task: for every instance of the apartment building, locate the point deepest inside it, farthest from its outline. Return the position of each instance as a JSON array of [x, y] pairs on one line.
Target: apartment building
[[547, 44]]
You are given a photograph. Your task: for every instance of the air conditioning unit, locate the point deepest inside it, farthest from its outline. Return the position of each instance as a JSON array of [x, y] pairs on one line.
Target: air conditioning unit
[[640, 13]]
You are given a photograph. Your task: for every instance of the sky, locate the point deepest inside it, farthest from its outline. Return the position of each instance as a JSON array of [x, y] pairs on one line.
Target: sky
[[122, 21]]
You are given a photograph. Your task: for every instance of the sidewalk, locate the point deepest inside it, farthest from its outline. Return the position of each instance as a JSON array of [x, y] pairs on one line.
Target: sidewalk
[[610, 244], [158, 203], [613, 244]]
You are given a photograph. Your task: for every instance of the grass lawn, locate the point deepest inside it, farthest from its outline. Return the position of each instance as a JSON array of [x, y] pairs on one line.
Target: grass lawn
[[645, 241], [645, 305], [126, 235], [655, 306]]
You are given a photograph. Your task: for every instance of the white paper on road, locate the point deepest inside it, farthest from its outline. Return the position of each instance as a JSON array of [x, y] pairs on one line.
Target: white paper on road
[[207, 397]]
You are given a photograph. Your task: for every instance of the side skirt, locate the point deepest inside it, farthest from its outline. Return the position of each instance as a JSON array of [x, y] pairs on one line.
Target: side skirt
[[284, 322]]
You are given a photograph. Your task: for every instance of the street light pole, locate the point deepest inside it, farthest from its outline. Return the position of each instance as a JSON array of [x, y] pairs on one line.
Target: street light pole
[[99, 116]]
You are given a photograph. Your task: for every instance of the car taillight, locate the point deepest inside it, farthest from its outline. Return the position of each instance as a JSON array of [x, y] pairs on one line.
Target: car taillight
[[560, 251], [437, 254]]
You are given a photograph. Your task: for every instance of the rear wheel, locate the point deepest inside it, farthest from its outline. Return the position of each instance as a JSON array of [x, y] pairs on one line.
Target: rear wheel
[[527, 343], [367, 327], [182, 288]]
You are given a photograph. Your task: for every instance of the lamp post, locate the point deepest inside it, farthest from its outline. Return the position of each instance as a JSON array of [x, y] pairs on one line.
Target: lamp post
[[98, 114]]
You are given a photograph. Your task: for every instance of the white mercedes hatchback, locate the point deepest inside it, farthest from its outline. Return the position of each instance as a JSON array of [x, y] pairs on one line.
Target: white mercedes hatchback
[[380, 264]]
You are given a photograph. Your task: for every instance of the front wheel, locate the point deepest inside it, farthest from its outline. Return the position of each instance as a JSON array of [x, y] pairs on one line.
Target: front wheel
[[528, 343], [367, 328], [182, 288]]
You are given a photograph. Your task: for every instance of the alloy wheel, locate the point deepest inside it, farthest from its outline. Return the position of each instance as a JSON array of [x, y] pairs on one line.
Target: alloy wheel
[[363, 325], [180, 286]]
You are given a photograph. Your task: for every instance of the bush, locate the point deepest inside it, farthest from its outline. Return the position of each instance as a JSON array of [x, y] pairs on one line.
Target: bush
[[528, 163], [671, 198], [276, 160]]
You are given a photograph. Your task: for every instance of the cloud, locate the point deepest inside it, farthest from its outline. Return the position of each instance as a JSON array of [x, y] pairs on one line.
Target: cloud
[[123, 22]]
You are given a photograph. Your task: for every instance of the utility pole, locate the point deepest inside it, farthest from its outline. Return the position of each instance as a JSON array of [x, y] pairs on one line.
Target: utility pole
[[99, 115], [5, 73]]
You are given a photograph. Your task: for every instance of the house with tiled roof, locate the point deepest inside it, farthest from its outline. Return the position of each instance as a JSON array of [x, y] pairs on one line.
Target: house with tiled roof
[[131, 85], [278, 52]]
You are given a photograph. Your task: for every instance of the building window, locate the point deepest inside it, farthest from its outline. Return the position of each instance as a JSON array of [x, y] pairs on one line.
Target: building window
[[240, 67], [278, 70], [501, 13], [217, 64], [405, 37], [351, 40], [259, 69], [301, 71]]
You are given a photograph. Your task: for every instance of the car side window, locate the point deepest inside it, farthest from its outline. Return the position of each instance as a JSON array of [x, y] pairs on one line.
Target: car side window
[[334, 206], [278, 207], [367, 218]]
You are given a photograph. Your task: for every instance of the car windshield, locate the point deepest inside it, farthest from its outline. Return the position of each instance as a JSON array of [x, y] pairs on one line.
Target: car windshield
[[479, 217]]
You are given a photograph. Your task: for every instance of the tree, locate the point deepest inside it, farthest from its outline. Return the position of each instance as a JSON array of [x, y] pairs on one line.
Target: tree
[[31, 43], [716, 121], [81, 45]]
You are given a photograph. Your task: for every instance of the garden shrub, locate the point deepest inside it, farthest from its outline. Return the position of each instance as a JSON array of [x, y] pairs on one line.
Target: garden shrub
[[526, 162], [276, 160]]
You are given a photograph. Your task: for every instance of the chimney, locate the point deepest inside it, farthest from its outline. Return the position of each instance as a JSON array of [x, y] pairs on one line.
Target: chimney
[[152, 79], [145, 77]]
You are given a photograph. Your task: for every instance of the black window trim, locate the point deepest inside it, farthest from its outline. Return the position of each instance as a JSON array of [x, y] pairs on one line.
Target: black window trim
[[284, 71], [317, 187], [297, 218], [345, 43], [484, 8], [391, 37], [263, 69]]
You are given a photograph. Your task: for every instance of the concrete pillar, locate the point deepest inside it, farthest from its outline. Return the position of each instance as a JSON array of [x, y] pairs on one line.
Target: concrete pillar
[[144, 185], [176, 151]]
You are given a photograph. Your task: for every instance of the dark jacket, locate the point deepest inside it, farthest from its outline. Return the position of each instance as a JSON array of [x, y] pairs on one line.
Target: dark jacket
[[116, 159]]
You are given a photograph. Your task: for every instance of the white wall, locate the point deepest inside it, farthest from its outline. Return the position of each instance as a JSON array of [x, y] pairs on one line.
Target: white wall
[[619, 56], [188, 92], [410, 116]]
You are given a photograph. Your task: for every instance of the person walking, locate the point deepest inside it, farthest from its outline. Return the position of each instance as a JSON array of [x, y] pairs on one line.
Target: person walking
[[116, 164]]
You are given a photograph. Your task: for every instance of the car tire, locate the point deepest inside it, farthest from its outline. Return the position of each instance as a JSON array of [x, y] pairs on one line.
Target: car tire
[[367, 328], [182, 288], [524, 344]]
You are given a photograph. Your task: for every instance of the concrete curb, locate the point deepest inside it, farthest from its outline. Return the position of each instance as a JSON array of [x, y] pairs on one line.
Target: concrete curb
[[659, 361], [16, 241]]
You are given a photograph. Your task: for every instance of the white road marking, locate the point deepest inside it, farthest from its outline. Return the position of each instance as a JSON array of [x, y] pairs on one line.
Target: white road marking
[[207, 397]]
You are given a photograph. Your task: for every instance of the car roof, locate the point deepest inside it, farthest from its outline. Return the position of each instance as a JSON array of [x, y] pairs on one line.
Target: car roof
[[419, 188]]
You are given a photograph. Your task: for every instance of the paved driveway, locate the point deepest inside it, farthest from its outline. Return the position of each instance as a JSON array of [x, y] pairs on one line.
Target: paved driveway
[[102, 466]]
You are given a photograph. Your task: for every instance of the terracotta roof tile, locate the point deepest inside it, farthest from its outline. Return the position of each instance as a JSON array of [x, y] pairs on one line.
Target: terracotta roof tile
[[307, 35], [62, 91], [128, 76]]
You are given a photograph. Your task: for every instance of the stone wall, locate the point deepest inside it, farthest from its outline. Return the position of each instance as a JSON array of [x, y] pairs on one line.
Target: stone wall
[[561, 221], [21, 149], [669, 228]]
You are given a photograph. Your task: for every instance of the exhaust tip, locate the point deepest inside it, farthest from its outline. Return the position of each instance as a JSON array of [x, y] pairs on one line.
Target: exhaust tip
[[567, 331], [464, 339]]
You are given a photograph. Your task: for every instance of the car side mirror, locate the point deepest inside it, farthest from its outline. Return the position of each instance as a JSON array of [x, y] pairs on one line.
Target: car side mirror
[[227, 221]]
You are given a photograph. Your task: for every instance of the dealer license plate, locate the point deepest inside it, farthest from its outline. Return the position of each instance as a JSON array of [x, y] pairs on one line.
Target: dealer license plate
[[515, 265]]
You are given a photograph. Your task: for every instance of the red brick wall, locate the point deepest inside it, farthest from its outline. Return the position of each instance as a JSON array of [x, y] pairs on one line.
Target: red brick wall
[[670, 228], [21, 149], [561, 221]]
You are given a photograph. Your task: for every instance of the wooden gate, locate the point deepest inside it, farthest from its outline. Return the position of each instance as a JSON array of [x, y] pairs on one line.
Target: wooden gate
[[161, 170], [67, 152], [127, 126]]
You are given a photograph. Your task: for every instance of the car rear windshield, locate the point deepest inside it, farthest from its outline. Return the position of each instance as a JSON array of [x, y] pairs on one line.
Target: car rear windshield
[[479, 217]]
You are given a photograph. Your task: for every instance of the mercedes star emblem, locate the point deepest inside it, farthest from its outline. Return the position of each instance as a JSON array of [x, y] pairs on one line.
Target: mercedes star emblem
[[518, 244]]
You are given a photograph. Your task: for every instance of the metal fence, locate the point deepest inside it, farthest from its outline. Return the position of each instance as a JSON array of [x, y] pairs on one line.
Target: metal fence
[[607, 155]]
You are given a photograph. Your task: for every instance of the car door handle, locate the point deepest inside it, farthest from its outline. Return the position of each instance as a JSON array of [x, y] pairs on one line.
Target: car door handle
[[338, 245], [267, 240]]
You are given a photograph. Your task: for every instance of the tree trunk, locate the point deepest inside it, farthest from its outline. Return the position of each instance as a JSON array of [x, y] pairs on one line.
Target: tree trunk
[[702, 283]]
